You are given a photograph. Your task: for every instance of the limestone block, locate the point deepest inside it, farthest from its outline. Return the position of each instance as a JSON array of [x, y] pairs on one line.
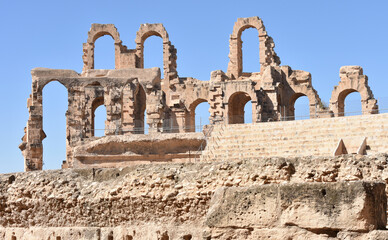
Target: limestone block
[[356, 206]]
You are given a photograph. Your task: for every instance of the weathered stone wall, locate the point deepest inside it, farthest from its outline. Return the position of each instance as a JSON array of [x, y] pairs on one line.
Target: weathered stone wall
[[364, 134], [131, 93], [308, 197]]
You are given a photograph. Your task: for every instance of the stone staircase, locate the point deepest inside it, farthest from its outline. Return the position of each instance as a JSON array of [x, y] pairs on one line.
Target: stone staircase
[[317, 137]]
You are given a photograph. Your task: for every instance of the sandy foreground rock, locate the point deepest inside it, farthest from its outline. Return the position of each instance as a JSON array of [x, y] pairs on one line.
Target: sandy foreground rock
[[270, 198]]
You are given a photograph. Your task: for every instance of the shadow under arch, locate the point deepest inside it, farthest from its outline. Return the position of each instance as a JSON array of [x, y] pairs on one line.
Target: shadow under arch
[[192, 125], [236, 106], [140, 114]]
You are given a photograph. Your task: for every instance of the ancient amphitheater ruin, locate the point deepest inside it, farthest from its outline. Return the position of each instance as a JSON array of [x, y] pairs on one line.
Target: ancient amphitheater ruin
[[275, 178]]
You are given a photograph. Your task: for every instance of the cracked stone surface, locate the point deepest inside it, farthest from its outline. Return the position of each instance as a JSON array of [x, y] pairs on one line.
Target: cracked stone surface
[[175, 200]]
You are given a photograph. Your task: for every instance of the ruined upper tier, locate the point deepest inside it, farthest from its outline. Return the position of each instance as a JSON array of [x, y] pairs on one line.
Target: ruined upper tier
[[130, 93]]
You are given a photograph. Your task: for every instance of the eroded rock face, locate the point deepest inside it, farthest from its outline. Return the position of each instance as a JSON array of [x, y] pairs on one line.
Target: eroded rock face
[[312, 206], [218, 200]]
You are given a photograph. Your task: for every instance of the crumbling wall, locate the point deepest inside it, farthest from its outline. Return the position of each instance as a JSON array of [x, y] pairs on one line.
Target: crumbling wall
[[309, 197], [131, 93]]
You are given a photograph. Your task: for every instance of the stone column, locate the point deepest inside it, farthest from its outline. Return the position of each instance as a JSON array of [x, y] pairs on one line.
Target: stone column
[[32, 146], [88, 57]]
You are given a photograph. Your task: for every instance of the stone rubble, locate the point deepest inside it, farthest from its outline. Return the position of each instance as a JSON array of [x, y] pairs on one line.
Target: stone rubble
[[176, 198]]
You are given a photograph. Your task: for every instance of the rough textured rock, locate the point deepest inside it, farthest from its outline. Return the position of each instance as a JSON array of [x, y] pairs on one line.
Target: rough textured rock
[[174, 199], [336, 206]]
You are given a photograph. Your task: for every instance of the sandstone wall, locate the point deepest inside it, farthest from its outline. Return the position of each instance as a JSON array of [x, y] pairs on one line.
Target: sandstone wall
[[306, 198], [318, 137], [136, 98]]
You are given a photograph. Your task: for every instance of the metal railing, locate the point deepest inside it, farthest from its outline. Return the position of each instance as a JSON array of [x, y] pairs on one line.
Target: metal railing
[[226, 120], [170, 125]]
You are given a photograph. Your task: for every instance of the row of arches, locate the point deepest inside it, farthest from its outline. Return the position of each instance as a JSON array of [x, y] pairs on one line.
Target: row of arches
[[55, 103], [131, 58], [104, 53], [301, 106]]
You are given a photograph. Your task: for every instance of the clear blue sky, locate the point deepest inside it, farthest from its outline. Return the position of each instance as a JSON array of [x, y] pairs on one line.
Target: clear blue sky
[[315, 36]]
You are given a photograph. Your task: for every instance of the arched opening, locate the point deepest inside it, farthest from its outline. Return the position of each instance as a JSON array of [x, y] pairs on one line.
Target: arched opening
[[248, 112], [349, 103], [301, 108], [199, 114], [104, 53], [98, 117], [140, 114], [250, 51], [153, 53], [236, 107], [55, 104]]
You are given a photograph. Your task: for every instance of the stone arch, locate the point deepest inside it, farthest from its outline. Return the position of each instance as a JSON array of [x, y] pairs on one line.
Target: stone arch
[[35, 126], [300, 91], [95, 104], [95, 32], [352, 80], [268, 56], [169, 51], [42, 83], [291, 105], [236, 103], [192, 107]]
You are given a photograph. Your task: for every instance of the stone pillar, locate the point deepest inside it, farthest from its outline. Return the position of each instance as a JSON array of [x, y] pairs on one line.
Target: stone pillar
[[112, 102], [234, 65], [117, 54], [32, 146], [88, 56], [217, 108], [78, 125], [181, 120], [128, 108]]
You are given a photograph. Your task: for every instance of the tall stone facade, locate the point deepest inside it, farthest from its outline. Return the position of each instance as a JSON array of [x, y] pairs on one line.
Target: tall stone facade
[[129, 92]]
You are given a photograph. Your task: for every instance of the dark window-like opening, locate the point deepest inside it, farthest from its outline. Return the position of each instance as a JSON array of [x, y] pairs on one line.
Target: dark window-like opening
[[236, 107], [140, 111]]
